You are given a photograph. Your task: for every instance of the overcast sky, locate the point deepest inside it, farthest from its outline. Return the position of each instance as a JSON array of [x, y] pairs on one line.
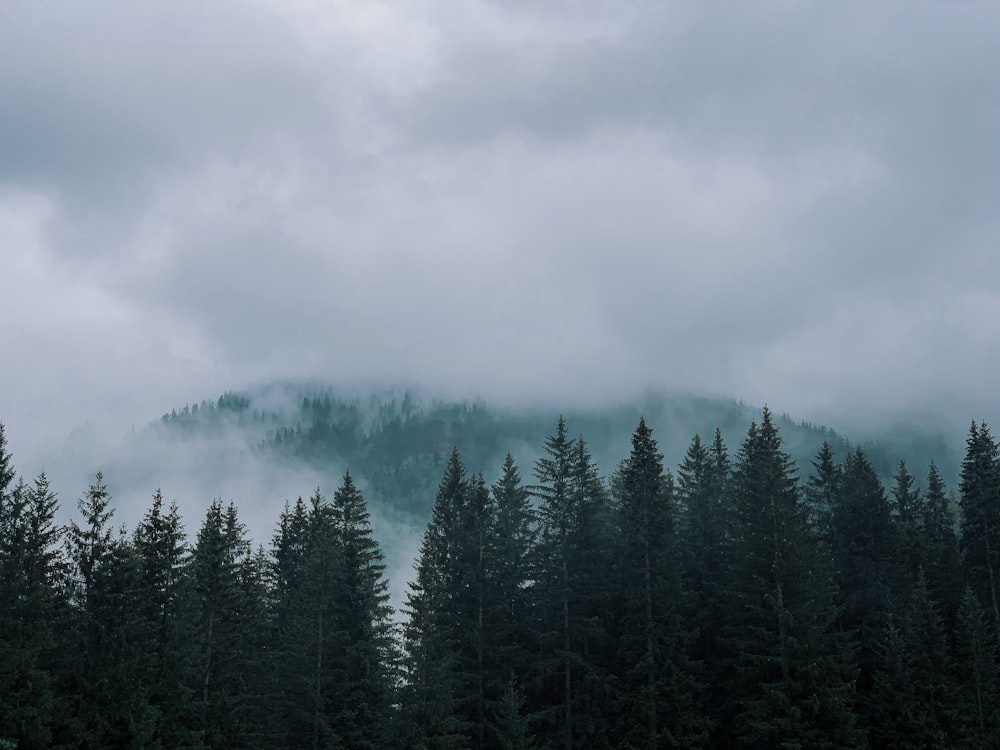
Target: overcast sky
[[786, 202]]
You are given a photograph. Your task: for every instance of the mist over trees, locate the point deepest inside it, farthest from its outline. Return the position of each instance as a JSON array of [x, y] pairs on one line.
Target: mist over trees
[[735, 600]]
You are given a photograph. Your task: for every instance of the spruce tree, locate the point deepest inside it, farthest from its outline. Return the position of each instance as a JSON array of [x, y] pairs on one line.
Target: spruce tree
[[704, 524], [976, 676], [433, 660], [553, 674], [793, 670], [572, 694], [510, 640], [820, 490], [363, 658], [913, 699], [108, 699], [168, 634], [227, 678], [656, 700], [31, 577], [865, 546], [939, 547], [980, 504], [907, 511]]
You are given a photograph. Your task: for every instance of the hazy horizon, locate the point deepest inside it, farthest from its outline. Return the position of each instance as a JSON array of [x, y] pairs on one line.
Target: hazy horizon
[[569, 203]]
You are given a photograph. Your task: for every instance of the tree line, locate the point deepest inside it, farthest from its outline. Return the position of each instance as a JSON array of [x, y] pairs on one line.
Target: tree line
[[728, 603]]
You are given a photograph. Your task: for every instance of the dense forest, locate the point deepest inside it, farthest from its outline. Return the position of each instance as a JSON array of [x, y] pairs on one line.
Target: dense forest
[[733, 601], [397, 444]]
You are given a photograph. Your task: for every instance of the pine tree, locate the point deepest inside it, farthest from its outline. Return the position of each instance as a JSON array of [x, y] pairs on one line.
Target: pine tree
[[573, 566], [554, 668], [980, 504], [509, 640], [821, 490], [166, 610], [657, 697], [108, 700], [31, 575], [912, 697], [434, 682], [227, 670], [307, 556], [976, 677], [363, 659], [793, 670], [865, 547], [907, 510], [939, 547], [705, 520]]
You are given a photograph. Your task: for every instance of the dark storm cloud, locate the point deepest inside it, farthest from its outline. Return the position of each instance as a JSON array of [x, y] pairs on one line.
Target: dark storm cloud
[[783, 202]]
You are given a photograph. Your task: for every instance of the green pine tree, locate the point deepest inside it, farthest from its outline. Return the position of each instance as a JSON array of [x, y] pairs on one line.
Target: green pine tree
[[704, 524], [793, 669], [657, 697], [363, 656], [980, 504], [31, 577], [976, 677], [435, 684]]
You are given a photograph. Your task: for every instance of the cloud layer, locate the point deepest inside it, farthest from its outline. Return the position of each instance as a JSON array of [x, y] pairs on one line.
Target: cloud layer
[[782, 202]]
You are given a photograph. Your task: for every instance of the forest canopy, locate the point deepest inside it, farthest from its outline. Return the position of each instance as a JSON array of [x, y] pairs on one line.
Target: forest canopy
[[736, 599]]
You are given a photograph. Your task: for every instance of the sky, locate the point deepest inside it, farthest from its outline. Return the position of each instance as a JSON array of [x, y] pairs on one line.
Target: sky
[[784, 202]]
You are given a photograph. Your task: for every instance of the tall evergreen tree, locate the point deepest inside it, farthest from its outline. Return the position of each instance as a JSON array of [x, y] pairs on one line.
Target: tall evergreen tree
[[705, 521], [166, 612], [554, 667], [363, 659], [907, 511], [510, 640], [793, 670], [939, 548], [657, 698], [913, 697], [821, 490], [31, 575], [108, 700], [227, 685], [573, 559], [865, 548], [976, 677], [980, 504], [434, 682]]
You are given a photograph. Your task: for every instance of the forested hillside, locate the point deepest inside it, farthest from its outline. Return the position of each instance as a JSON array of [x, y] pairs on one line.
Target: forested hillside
[[397, 443], [727, 599]]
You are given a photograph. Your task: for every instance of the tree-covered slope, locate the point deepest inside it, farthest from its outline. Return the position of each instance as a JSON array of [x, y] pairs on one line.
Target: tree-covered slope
[[397, 443]]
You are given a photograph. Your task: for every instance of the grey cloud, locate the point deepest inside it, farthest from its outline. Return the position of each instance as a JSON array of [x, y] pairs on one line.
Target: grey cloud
[[781, 202]]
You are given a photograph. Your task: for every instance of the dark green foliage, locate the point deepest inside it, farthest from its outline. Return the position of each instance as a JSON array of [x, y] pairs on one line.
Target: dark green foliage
[[980, 503], [976, 677], [938, 548], [913, 697], [307, 557], [228, 673], [821, 490], [866, 554], [571, 687], [363, 655], [704, 525], [31, 575], [509, 640], [792, 670], [907, 511], [435, 639], [656, 698], [568, 623], [106, 698], [166, 625]]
